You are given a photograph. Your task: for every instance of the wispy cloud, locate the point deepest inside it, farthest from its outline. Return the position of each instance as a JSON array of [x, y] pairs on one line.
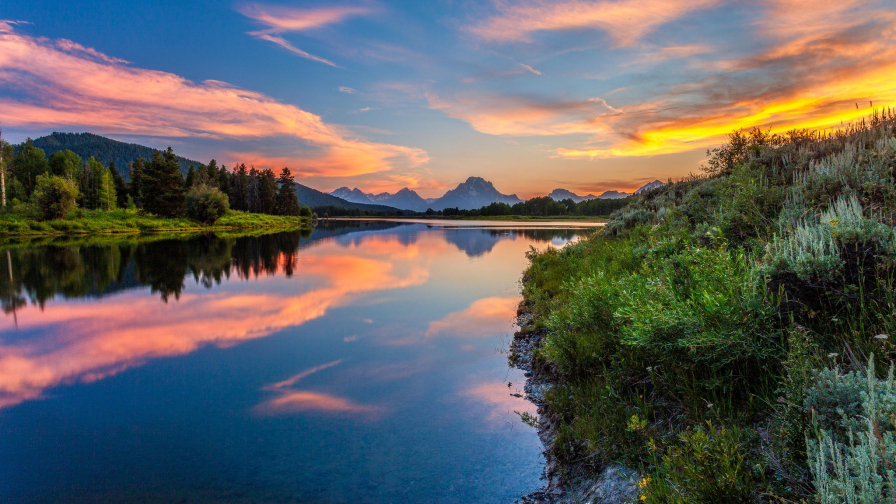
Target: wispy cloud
[[625, 21], [83, 89], [280, 41], [281, 19], [347, 90]]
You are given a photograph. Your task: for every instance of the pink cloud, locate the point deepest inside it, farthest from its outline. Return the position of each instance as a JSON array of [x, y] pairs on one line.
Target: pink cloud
[[624, 21], [484, 317], [281, 19], [73, 86]]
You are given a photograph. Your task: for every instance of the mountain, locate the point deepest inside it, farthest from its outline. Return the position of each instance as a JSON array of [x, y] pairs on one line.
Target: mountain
[[314, 198], [476, 192], [405, 199], [103, 149], [614, 195], [651, 185], [353, 195], [562, 194]]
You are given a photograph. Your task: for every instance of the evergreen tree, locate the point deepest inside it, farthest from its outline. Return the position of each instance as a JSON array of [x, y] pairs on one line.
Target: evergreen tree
[[212, 170], [191, 178], [239, 181], [287, 201], [28, 163], [97, 189], [121, 189], [65, 164], [267, 192], [253, 202], [202, 175], [224, 180], [136, 186], [163, 185]]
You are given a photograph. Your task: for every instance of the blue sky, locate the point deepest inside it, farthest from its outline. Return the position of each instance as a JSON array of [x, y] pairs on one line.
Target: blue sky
[[533, 95]]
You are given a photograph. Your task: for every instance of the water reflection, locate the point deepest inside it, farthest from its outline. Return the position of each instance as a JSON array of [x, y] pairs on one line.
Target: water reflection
[[306, 364]]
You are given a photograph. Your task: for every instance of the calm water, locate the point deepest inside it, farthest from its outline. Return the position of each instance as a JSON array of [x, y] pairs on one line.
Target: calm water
[[360, 362]]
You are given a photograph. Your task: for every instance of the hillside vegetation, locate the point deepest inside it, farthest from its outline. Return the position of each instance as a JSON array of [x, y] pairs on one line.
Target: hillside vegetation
[[730, 335]]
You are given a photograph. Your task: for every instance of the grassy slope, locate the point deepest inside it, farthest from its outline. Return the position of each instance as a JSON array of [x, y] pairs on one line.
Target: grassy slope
[[125, 221], [689, 336]]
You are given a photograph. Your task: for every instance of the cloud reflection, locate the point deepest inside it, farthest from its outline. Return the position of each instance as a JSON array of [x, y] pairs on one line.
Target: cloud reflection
[[484, 317], [86, 341]]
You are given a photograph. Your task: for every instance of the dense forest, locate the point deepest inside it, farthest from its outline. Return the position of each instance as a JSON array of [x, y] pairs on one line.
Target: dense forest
[[730, 336], [54, 187]]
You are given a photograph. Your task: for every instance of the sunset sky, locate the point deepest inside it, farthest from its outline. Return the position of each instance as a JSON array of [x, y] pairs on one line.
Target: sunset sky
[[532, 95]]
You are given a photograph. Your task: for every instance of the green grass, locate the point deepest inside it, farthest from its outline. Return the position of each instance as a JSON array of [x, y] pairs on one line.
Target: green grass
[[83, 222], [717, 299]]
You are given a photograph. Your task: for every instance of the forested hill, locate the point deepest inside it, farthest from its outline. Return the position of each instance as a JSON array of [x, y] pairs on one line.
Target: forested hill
[[103, 149]]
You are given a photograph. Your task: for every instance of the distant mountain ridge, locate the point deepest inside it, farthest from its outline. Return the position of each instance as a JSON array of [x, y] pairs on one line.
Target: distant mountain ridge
[[475, 192], [561, 194]]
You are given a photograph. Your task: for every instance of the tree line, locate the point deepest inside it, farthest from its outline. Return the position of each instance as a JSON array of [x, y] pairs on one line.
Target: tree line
[[57, 185], [541, 206]]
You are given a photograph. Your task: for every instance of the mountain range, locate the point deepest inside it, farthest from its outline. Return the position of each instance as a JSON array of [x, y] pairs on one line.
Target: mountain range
[[475, 192]]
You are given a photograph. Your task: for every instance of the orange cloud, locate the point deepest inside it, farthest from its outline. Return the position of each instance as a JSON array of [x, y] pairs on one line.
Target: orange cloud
[[814, 62], [624, 21], [78, 87], [484, 317], [101, 339]]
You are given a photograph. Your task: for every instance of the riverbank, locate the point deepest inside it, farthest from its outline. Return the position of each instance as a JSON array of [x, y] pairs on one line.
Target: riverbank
[[100, 222], [726, 336]]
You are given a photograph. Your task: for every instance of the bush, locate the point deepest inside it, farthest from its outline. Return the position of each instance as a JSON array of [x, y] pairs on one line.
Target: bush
[[206, 204], [305, 212], [707, 466], [54, 196], [857, 468]]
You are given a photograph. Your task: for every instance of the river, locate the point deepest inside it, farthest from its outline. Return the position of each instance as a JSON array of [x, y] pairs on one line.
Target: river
[[358, 362]]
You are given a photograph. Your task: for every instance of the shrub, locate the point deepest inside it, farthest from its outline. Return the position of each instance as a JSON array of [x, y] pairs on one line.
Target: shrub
[[707, 466], [305, 212], [206, 204], [857, 468], [54, 196]]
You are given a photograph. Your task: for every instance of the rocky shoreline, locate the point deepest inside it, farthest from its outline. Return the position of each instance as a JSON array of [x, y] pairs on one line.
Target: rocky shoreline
[[573, 482]]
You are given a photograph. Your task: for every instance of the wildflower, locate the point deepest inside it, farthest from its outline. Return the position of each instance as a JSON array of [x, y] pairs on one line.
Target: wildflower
[[643, 497], [832, 355], [644, 481], [882, 337]]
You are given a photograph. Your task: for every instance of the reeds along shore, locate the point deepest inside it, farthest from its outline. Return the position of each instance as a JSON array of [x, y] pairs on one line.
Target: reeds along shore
[[730, 335]]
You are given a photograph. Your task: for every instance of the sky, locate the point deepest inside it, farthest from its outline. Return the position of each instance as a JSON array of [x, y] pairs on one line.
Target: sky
[[532, 95]]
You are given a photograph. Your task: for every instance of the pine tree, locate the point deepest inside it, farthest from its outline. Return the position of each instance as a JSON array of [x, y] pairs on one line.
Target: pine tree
[[213, 176], [202, 175], [267, 192], [136, 186], [121, 189], [191, 178], [163, 186], [287, 200], [239, 181]]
